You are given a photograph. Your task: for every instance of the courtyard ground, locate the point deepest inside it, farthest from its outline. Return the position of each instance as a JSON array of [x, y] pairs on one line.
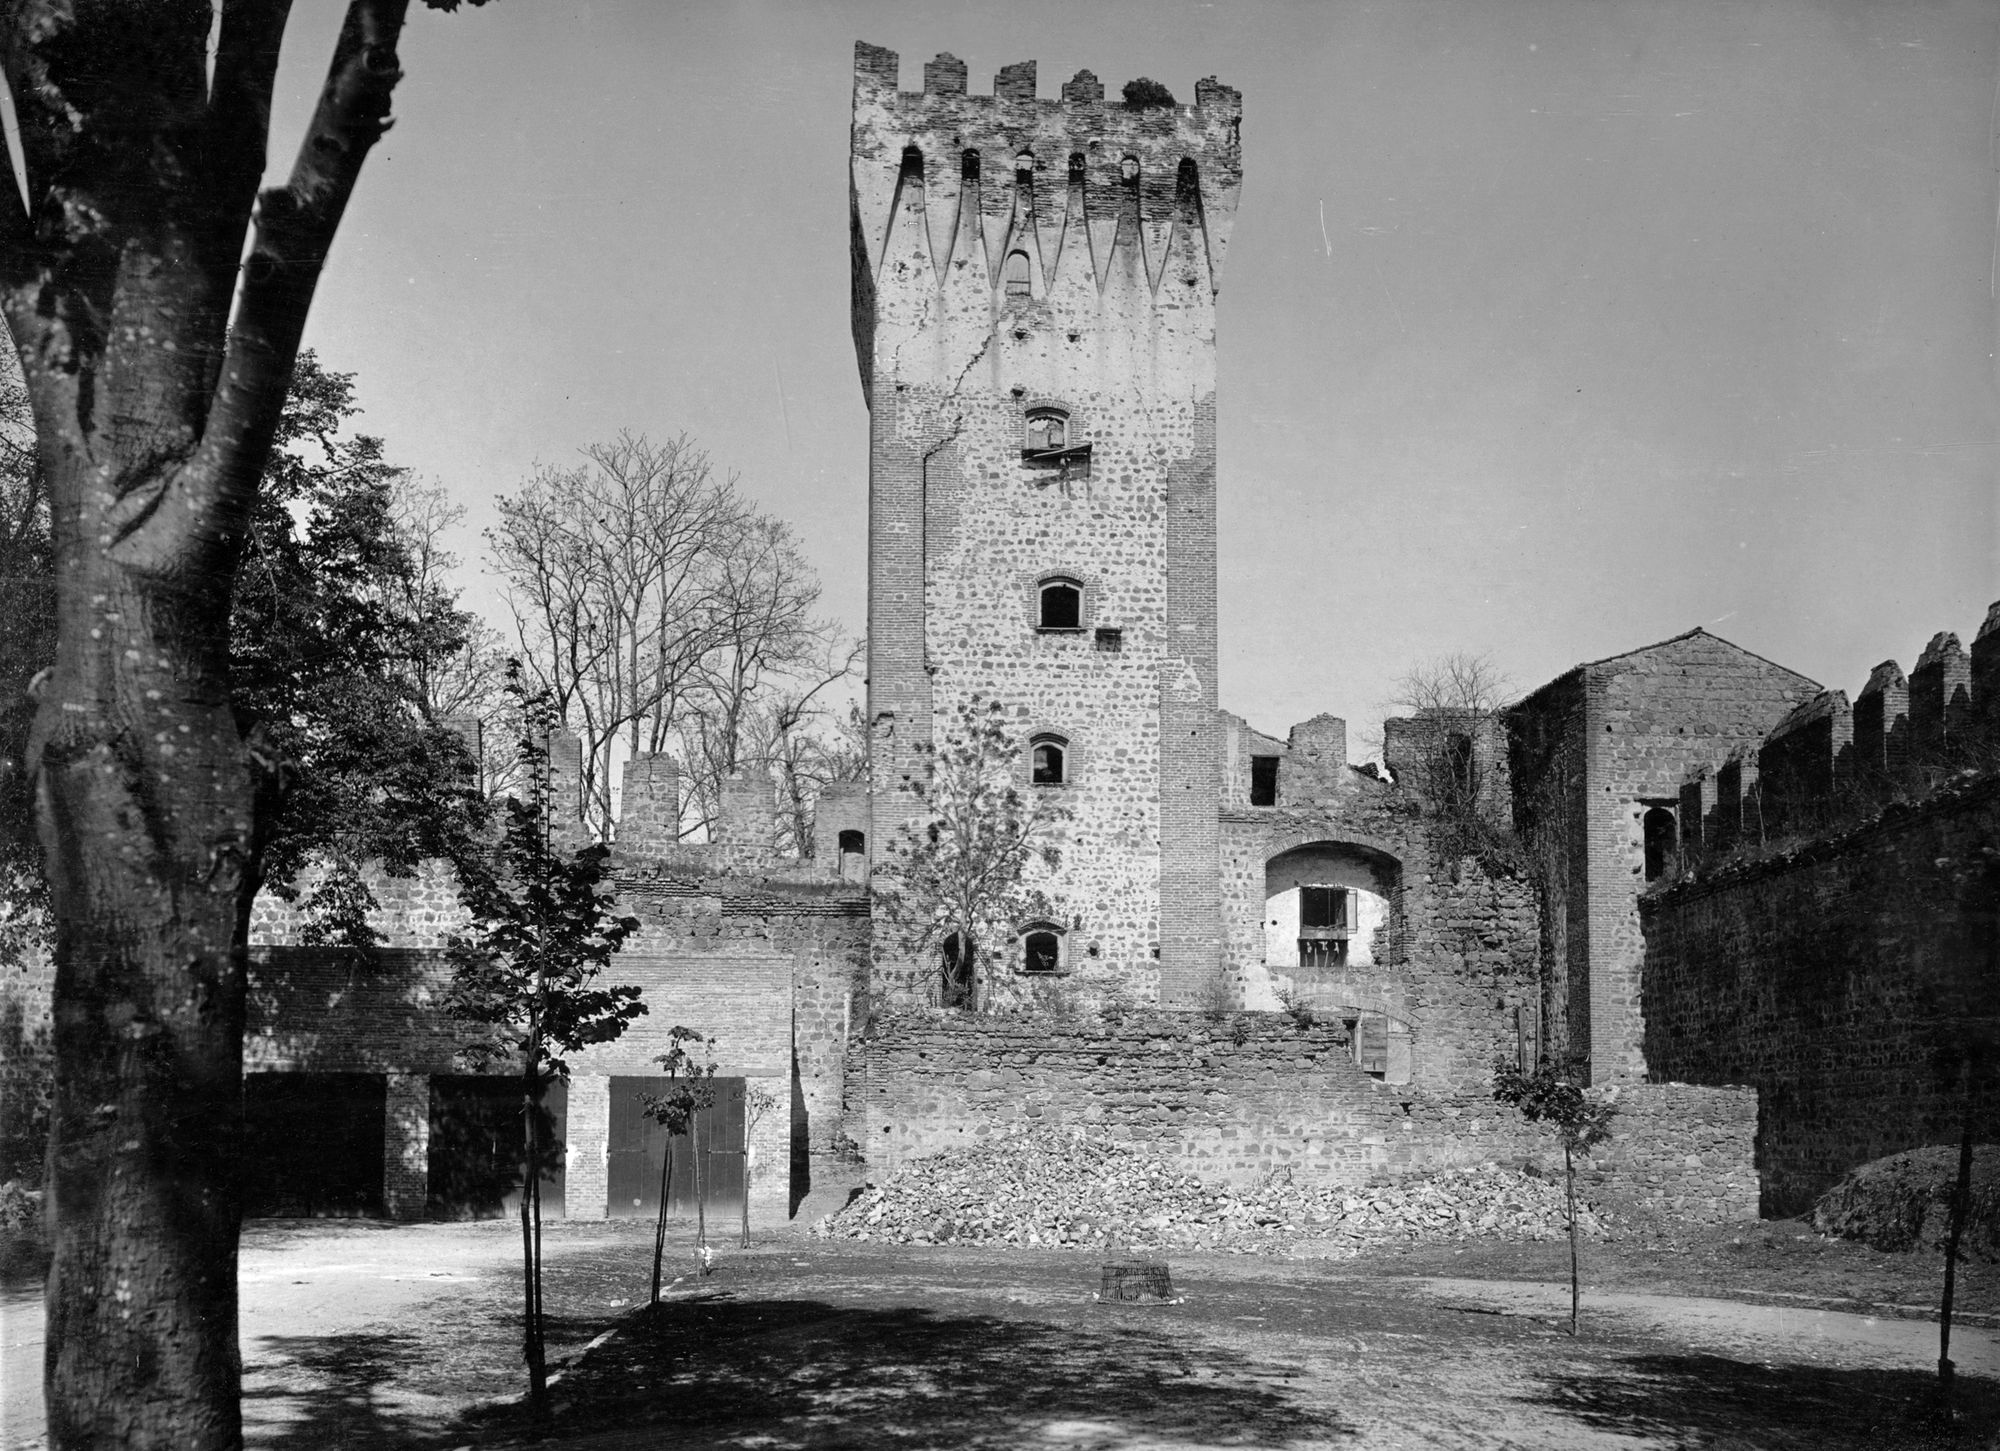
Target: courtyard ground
[[366, 1336]]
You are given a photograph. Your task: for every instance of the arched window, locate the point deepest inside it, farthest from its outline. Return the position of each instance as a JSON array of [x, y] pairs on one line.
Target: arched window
[[1016, 275], [1042, 949], [1662, 835], [1059, 605], [1048, 760], [1047, 428]]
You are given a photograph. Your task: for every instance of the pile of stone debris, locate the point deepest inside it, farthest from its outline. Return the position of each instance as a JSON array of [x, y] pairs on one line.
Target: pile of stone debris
[[1056, 1190]]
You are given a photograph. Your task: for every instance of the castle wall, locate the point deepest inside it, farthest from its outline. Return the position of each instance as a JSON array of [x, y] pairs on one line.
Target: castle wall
[[1836, 980]]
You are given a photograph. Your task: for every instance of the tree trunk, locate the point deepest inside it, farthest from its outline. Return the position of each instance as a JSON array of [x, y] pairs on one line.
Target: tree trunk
[[1575, 1278], [146, 804], [1961, 1202], [660, 1224]]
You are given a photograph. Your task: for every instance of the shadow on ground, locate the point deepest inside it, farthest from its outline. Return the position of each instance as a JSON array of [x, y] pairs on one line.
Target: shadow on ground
[[1729, 1405], [806, 1374]]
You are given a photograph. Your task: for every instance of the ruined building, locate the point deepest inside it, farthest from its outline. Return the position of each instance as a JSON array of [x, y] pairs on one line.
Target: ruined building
[[1035, 286]]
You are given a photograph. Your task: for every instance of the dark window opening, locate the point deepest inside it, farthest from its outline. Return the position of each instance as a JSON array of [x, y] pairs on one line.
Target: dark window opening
[[1662, 836], [1048, 441], [969, 166], [1061, 605], [1017, 275], [1111, 642], [955, 974], [1324, 926], [1047, 761], [913, 163], [1041, 951], [1263, 780], [1076, 168]]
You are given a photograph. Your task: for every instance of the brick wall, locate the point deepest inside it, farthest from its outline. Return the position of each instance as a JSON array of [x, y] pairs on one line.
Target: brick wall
[[1836, 980]]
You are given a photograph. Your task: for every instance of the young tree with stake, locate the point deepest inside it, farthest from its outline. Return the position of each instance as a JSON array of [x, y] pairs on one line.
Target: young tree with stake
[[1554, 1099], [525, 986], [674, 1111]]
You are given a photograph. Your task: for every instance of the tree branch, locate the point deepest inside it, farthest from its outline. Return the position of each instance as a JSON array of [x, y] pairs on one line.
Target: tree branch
[[239, 116], [295, 228]]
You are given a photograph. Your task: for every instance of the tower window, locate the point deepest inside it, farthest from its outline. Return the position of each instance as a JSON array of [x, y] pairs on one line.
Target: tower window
[[1110, 642], [1263, 780], [1048, 761], [1047, 428], [1060, 605], [1661, 833], [1016, 275], [1042, 950]]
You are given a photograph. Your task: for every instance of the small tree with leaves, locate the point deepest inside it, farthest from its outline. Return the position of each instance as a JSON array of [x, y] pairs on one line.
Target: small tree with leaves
[[961, 876], [1552, 1097], [525, 978], [692, 1090]]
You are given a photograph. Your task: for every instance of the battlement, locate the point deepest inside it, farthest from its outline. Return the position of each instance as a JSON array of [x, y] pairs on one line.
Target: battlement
[[1051, 201], [1900, 735]]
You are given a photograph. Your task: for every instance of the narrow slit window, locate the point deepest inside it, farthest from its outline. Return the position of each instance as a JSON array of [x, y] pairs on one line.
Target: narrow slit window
[[1661, 835]]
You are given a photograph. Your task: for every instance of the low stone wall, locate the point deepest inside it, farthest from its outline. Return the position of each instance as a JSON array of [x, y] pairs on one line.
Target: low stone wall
[[1233, 1097], [1677, 1153]]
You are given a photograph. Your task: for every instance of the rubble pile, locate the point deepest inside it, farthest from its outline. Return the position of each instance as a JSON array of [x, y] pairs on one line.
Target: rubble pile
[[1903, 1202], [1047, 1190]]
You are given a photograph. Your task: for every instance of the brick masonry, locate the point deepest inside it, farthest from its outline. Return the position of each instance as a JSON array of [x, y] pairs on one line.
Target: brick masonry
[[1837, 979], [1591, 752], [1122, 219]]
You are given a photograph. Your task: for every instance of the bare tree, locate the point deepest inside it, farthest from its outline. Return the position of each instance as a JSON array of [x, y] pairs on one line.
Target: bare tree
[[656, 607], [156, 301], [1448, 747]]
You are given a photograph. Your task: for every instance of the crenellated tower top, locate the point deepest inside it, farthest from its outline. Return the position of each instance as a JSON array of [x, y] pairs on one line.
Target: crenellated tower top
[[1060, 210]]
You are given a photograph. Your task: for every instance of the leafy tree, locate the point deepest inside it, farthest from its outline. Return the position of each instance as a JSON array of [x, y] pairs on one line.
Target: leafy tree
[[525, 981], [1146, 94], [674, 1111], [342, 626], [1453, 704], [962, 875], [1552, 1097], [156, 301]]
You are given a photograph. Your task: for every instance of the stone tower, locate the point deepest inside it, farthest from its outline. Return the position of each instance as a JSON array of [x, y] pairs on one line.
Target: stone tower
[[1034, 316]]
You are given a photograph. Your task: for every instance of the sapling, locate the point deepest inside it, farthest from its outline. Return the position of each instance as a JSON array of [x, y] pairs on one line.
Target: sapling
[[691, 1090], [1552, 1097]]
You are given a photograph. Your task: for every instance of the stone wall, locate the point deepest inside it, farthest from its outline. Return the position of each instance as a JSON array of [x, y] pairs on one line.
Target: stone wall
[[1014, 254], [1232, 1097], [1839, 980]]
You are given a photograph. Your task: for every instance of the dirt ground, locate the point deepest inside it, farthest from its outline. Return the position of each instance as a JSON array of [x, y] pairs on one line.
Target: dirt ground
[[370, 1336]]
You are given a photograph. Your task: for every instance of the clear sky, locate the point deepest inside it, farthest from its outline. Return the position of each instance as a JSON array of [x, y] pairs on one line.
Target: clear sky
[[1550, 328]]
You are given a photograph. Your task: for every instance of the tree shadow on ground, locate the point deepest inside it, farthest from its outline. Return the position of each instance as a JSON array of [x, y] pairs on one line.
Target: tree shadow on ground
[[806, 1374], [366, 1390], [323, 1391], [1730, 1405]]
